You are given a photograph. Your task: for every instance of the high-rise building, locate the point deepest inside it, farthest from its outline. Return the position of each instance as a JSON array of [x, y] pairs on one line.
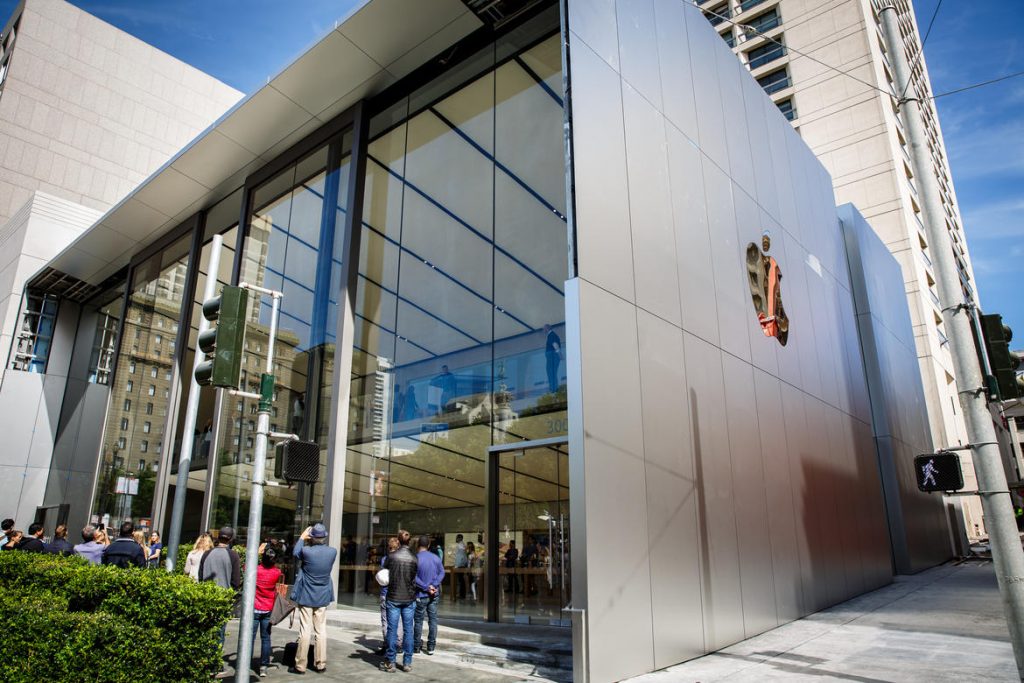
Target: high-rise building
[[87, 112], [824, 64]]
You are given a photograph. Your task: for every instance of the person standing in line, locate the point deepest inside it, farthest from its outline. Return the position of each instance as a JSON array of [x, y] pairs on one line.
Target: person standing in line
[[102, 538], [124, 552], [140, 538], [429, 578], [401, 603], [89, 548], [5, 531], [552, 357], [60, 544], [192, 560], [390, 547], [14, 537], [312, 593], [461, 562], [267, 578], [155, 546], [33, 541], [222, 565]]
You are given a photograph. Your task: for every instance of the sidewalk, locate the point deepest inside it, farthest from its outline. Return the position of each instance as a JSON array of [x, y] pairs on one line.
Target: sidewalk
[[944, 624], [350, 659]]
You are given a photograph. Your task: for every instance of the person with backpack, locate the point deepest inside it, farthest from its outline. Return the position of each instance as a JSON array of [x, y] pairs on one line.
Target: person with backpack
[[124, 552]]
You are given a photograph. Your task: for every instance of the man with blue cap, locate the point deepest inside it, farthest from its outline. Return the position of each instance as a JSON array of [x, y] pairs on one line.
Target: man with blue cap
[[312, 593]]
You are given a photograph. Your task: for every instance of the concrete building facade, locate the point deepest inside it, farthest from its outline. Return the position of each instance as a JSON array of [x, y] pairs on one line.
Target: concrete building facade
[[824, 64], [628, 367], [86, 113]]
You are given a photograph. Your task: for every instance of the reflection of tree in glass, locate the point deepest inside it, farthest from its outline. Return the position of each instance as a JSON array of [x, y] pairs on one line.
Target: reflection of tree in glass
[[765, 281]]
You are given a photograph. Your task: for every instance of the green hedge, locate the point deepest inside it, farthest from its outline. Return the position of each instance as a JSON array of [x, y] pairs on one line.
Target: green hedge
[[67, 620]]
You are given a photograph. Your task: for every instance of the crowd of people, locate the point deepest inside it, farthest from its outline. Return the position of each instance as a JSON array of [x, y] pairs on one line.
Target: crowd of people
[[411, 582]]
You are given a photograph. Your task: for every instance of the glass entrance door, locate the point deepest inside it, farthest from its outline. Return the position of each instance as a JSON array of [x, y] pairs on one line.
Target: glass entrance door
[[528, 553]]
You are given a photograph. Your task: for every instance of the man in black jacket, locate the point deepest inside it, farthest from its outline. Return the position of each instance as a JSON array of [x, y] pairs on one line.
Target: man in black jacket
[[401, 602], [33, 541], [124, 552]]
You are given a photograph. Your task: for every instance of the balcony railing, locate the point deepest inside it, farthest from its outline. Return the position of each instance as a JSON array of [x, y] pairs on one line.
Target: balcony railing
[[773, 83], [747, 4], [767, 56]]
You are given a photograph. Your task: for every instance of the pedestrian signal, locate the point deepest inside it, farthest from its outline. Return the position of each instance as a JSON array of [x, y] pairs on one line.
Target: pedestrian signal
[[299, 462], [939, 472]]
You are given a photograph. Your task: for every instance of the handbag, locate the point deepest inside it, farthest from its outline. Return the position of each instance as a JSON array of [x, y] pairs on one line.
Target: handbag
[[282, 608], [383, 577]]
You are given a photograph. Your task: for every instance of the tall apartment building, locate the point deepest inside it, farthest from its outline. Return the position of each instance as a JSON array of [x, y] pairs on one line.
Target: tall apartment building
[[87, 112], [824, 64]]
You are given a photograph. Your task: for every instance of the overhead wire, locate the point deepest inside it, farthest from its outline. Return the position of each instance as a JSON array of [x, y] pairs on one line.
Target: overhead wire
[[750, 29]]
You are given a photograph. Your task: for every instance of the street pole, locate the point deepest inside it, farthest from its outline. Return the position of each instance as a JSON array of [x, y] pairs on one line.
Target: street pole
[[259, 462], [191, 411], [1007, 554]]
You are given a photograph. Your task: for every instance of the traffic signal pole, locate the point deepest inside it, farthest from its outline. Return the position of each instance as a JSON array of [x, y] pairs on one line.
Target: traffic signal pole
[[191, 411], [957, 313], [259, 465]]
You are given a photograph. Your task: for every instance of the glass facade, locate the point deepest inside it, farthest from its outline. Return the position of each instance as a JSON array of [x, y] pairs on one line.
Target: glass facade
[[140, 392], [457, 337], [459, 313]]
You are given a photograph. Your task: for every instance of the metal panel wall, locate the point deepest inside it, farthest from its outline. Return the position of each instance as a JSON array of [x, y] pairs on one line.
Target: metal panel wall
[[751, 494]]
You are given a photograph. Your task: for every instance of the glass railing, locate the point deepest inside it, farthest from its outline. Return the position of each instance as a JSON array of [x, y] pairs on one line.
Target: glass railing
[[747, 4], [765, 22], [776, 85], [766, 57]]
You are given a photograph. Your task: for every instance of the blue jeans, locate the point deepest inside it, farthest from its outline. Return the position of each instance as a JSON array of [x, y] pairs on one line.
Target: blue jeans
[[261, 622], [427, 606], [406, 611]]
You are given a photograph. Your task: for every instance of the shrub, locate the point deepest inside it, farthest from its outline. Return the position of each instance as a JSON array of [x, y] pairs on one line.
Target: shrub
[[67, 620]]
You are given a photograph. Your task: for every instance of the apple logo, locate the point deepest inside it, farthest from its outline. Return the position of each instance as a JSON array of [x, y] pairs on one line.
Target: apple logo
[[765, 280]]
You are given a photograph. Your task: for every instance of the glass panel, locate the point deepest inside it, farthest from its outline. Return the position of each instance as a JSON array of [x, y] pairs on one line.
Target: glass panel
[[203, 435], [124, 490], [459, 308], [294, 246], [533, 535]]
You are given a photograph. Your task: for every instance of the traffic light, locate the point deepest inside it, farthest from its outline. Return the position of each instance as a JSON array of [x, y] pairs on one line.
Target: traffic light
[[1004, 362], [222, 343]]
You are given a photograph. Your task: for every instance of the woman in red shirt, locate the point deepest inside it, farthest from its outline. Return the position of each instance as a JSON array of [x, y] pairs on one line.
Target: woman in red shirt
[[267, 578]]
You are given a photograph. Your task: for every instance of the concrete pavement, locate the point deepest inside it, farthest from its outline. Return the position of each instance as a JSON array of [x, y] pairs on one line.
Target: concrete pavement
[[944, 624]]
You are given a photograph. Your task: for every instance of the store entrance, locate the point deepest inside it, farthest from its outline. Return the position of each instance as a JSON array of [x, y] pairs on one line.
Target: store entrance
[[528, 532]]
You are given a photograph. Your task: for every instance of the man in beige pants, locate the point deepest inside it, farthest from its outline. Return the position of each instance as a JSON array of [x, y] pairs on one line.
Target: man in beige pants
[[313, 592]]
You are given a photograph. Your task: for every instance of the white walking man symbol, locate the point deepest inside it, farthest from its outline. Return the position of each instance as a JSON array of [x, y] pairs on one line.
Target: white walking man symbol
[[929, 472]]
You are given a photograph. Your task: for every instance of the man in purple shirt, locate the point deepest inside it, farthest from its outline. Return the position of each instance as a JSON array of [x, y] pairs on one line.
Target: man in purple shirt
[[429, 577], [89, 548]]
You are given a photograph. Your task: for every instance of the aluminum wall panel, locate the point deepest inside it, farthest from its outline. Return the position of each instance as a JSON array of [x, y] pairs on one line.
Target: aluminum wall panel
[[654, 248], [617, 569], [731, 295], [734, 120], [748, 494], [708, 96], [673, 530], [675, 65], [593, 22], [693, 242], [720, 558], [760, 147], [638, 51], [779, 495], [604, 244]]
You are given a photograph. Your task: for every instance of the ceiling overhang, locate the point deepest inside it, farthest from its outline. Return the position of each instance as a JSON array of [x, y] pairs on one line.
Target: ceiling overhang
[[378, 43]]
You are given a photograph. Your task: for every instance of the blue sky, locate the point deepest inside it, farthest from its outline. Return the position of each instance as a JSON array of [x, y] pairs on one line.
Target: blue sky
[[243, 42]]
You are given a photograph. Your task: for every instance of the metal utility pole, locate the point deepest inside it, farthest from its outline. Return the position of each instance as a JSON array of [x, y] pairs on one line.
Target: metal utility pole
[[259, 463], [958, 314], [191, 411]]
